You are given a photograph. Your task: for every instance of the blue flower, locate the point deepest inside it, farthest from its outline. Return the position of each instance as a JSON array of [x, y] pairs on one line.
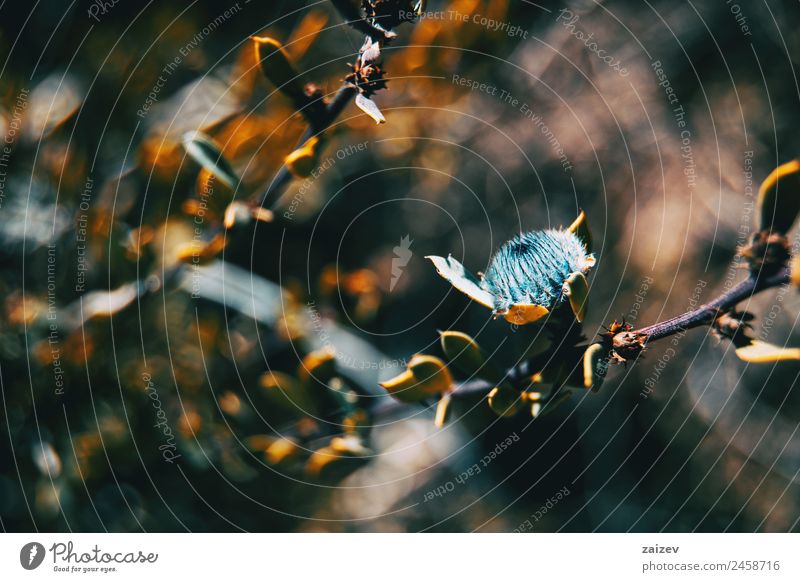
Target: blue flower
[[529, 275], [533, 267]]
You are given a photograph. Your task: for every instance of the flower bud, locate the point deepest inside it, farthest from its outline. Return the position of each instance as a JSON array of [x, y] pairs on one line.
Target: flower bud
[[425, 376]]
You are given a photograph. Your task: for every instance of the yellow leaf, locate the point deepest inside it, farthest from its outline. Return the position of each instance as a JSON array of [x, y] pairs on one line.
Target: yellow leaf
[[580, 227], [278, 68], [442, 410], [465, 354], [319, 365], [281, 450], [595, 365], [758, 352], [577, 290], [304, 160], [341, 457], [505, 401], [795, 270], [524, 313], [426, 376], [200, 252], [779, 198]]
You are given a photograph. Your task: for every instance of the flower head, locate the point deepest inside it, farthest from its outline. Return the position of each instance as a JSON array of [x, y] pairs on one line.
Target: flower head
[[533, 267], [530, 275]]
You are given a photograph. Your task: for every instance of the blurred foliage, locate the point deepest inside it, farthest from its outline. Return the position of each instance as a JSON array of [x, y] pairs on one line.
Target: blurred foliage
[[176, 356]]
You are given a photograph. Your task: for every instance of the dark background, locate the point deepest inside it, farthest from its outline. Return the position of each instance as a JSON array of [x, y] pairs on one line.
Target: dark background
[[712, 447]]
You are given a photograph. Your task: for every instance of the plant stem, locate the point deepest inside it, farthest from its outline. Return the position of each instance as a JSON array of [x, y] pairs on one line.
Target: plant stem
[[708, 312], [332, 110]]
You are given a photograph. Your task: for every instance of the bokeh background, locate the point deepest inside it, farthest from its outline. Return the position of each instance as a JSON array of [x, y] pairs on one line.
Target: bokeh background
[[97, 195]]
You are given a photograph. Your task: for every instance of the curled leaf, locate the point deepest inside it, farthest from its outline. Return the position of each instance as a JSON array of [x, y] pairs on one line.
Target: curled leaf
[[319, 365], [200, 252], [443, 410], [576, 289], [302, 161], [454, 272], [207, 153], [278, 68], [369, 107], [425, 376], [505, 401], [525, 313], [580, 228], [341, 457], [465, 354], [595, 365], [758, 352], [779, 198]]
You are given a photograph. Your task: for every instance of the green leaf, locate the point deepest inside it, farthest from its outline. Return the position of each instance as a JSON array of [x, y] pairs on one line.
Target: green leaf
[[758, 352], [779, 198], [465, 354], [577, 290], [454, 272], [207, 153], [505, 401]]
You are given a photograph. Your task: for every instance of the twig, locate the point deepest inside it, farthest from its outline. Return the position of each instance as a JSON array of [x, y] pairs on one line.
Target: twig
[[333, 109], [628, 344]]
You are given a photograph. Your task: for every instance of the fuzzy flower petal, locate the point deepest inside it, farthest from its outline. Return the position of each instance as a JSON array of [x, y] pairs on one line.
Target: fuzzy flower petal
[[533, 267], [528, 277]]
